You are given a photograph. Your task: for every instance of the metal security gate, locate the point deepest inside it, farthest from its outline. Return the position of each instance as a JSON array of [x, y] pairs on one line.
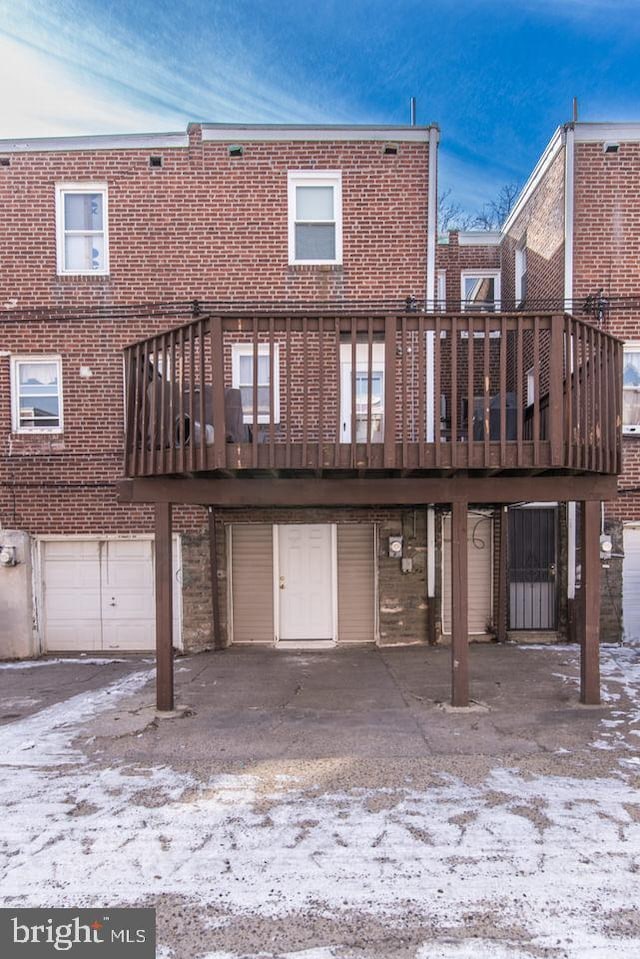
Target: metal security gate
[[532, 567]]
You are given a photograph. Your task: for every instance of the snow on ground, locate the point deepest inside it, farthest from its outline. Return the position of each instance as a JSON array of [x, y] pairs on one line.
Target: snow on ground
[[553, 860]]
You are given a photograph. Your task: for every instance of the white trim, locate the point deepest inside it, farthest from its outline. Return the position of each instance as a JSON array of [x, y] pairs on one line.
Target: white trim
[[324, 178], [246, 349], [228, 532], [275, 540], [569, 166], [432, 219], [108, 141], [629, 429], [481, 275], [479, 238], [88, 186], [16, 360], [334, 580], [599, 132], [541, 167], [441, 289], [571, 550], [223, 132], [431, 552]]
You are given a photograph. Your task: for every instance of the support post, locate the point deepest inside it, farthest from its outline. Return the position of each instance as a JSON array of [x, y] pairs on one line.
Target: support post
[[503, 584], [431, 574], [459, 607], [215, 598], [389, 391], [164, 609], [590, 638]]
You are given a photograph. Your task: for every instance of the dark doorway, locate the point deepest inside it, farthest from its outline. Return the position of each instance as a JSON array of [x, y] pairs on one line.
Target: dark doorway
[[532, 567]]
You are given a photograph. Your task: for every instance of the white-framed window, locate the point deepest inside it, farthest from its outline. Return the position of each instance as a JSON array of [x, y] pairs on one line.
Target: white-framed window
[[531, 386], [315, 217], [36, 394], [81, 229], [242, 379], [480, 290], [631, 388], [366, 381], [521, 275], [441, 290]]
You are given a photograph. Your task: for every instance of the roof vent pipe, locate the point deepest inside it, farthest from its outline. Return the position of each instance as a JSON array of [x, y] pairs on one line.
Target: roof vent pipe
[[412, 106]]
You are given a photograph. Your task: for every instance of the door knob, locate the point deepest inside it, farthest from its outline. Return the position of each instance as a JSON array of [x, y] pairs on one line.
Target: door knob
[[282, 582], [113, 601]]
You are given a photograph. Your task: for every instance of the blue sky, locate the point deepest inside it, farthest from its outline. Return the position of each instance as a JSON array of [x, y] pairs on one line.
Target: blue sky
[[497, 77]]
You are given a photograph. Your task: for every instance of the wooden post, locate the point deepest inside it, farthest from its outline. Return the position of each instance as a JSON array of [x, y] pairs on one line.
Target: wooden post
[[164, 609], [459, 606], [590, 631], [556, 391], [217, 374], [215, 598], [503, 583]]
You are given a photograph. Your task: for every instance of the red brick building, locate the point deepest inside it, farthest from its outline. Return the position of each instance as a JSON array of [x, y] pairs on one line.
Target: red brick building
[[284, 288]]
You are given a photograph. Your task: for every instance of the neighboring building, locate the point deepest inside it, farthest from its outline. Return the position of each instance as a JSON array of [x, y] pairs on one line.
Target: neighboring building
[[342, 448], [572, 241]]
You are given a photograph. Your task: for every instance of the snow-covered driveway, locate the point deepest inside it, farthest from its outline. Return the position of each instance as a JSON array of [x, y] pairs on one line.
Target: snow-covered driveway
[[339, 857]]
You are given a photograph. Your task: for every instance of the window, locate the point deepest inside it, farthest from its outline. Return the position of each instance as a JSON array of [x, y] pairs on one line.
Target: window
[[531, 387], [81, 220], [441, 291], [242, 377], [36, 393], [631, 389], [366, 381], [521, 276], [315, 217], [480, 290]]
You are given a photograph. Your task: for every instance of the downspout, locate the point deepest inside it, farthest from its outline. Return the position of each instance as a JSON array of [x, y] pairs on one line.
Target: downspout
[[432, 228], [569, 158]]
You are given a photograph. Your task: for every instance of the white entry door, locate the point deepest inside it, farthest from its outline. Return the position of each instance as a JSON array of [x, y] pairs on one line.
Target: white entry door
[[305, 582]]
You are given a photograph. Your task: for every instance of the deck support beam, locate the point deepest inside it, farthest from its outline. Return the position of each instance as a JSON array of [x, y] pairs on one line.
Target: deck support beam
[[590, 625], [164, 609], [215, 597], [459, 606]]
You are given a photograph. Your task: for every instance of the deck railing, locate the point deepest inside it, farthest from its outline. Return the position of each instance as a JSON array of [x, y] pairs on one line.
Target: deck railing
[[402, 392]]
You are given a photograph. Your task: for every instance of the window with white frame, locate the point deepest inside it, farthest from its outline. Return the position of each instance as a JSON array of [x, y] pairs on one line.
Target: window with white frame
[[480, 290], [521, 275], [81, 223], [369, 392], [36, 394], [242, 357], [631, 389], [441, 291], [315, 217]]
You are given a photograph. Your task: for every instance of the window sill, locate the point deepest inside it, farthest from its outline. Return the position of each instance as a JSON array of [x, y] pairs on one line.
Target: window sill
[[316, 267], [91, 277]]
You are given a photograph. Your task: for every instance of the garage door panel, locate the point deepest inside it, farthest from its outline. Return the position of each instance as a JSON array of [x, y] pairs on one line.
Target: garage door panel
[[479, 553], [101, 595], [631, 584]]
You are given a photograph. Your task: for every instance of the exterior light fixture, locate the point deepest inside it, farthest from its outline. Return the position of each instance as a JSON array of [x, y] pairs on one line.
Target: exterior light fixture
[[395, 547]]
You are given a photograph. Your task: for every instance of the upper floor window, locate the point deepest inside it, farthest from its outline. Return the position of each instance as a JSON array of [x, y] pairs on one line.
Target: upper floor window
[[441, 290], [36, 394], [631, 389], [243, 379], [521, 275], [81, 222], [480, 290], [315, 217]]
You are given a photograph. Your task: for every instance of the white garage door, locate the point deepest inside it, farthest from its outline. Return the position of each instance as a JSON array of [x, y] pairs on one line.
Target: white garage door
[[631, 584], [479, 553], [99, 595]]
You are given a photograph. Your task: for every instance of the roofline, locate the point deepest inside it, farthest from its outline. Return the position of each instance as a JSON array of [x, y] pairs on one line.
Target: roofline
[[260, 132], [107, 141], [600, 132], [550, 153]]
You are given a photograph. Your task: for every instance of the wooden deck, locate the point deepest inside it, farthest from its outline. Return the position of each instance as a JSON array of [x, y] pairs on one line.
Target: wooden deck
[[432, 394]]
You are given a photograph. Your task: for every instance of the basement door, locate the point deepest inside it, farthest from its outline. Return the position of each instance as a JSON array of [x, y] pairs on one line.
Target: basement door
[[305, 582], [532, 567], [99, 595]]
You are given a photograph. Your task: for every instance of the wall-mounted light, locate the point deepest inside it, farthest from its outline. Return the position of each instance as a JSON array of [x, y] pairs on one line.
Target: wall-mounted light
[[395, 547], [8, 556]]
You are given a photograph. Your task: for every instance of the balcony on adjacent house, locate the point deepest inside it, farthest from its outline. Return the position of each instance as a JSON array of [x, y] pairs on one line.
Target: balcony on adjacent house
[[407, 394]]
